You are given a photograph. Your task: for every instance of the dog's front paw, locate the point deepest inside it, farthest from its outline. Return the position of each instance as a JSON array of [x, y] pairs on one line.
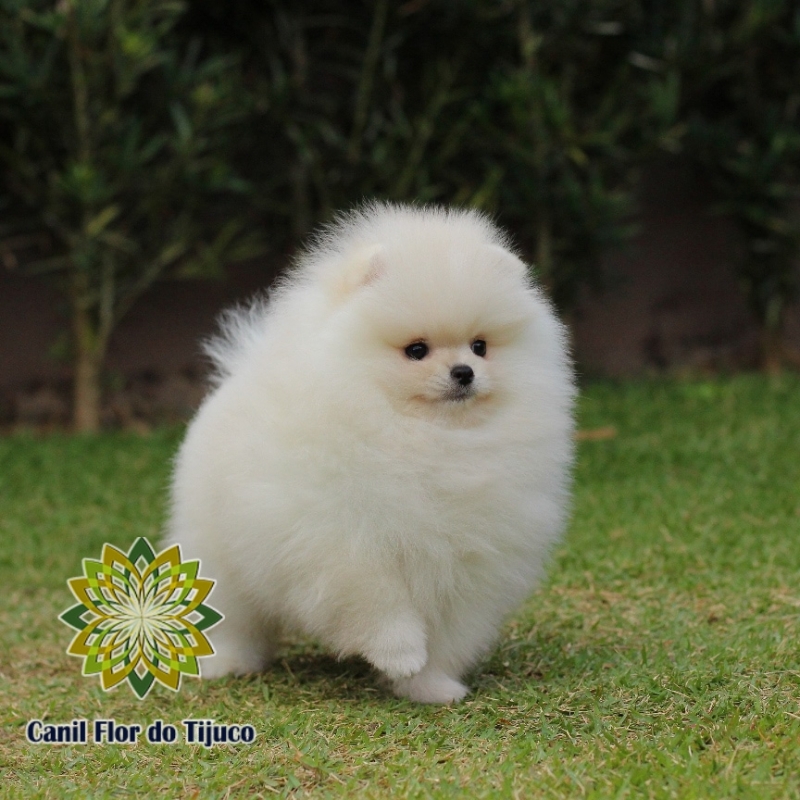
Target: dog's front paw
[[399, 650], [232, 662], [431, 687]]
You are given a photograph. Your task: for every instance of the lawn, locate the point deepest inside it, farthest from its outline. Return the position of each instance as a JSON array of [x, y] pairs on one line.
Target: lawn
[[660, 659]]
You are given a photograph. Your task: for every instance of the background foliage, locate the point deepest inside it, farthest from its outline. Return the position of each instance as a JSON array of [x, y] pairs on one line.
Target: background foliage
[[114, 134], [127, 126], [733, 97], [520, 109]]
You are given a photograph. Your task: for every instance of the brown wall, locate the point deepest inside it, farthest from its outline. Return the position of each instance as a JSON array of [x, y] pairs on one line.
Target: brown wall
[[674, 303]]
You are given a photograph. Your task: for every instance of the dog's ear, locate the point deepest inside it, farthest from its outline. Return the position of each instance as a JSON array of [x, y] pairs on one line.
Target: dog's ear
[[358, 269], [508, 260]]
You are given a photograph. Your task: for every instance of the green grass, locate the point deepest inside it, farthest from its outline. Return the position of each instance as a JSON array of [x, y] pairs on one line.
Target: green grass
[[661, 659]]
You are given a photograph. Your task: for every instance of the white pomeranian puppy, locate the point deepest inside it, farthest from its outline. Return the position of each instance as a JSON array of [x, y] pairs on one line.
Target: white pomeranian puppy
[[385, 459]]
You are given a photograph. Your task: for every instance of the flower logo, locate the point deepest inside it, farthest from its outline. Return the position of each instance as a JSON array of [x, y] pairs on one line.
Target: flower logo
[[140, 617]]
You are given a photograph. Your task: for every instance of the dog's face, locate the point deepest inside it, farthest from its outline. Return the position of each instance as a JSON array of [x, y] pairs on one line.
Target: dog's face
[[441, 331], [441, 371], [454, 375]]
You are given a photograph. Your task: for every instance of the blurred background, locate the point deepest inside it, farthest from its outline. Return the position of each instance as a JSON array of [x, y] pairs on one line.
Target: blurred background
[[160, 160]]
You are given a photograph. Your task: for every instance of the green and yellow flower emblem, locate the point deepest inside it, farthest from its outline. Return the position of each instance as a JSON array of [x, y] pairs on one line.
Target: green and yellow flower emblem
[[140, 617]]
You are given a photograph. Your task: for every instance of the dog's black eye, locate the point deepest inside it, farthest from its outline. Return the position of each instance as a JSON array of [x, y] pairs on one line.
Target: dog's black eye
[[479, 347], [416, 351]]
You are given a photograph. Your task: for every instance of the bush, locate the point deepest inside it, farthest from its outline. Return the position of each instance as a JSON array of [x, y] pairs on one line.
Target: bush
[[737, 66], [124, 125], [113, 142], [520, 109]]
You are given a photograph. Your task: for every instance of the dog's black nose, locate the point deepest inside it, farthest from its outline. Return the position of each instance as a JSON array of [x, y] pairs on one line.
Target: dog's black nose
[[463, 374]]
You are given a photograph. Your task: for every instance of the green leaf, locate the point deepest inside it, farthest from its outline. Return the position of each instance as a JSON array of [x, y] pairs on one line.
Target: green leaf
[[183, 124], [99, 222]]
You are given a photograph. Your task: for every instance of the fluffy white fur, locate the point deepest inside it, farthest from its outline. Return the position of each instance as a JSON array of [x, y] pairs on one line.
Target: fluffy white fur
[[336, 487]]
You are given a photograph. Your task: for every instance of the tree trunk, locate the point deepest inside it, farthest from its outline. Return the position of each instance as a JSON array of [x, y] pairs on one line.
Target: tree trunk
[[86, 393], [88, 353], [772, 351]]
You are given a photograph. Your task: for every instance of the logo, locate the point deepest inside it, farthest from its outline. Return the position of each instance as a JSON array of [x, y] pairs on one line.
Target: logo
[[140, 617]]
